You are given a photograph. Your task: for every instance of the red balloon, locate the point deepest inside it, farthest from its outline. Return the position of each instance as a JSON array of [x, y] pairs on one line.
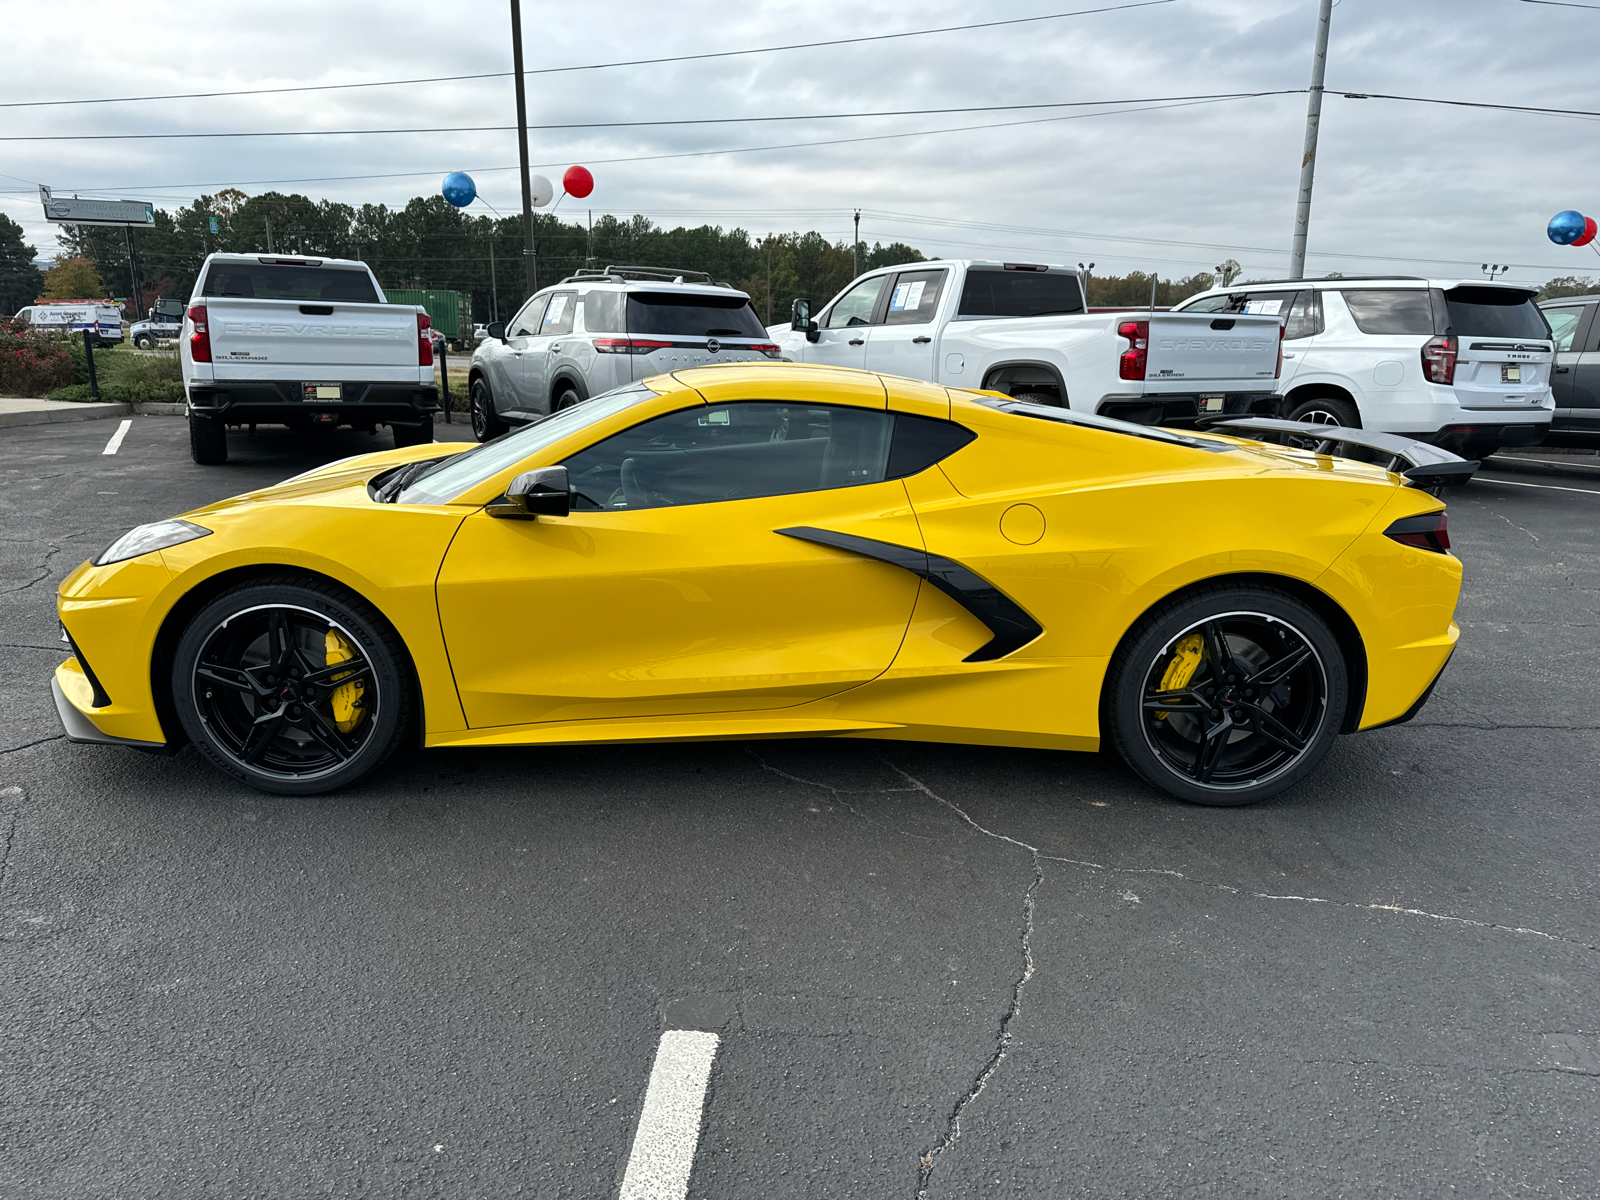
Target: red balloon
[[578, 182], [1589, 230]]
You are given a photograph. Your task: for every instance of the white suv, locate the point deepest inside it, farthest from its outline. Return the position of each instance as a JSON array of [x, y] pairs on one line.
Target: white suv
[[597, 330], [1464, 364]]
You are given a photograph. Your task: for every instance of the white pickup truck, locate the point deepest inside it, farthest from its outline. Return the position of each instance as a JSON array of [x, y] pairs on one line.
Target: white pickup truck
[[1022, 329], [304, 342]]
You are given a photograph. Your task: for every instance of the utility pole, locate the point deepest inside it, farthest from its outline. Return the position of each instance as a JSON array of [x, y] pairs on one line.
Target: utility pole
[[855, 267], [1308, 164], [529, 248], [269, 234], [494, 280]]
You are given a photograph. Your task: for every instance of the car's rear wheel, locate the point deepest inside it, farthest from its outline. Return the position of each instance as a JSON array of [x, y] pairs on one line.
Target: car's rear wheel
[[419, 434], [486, 423], [292, 686], [208, 440], [566, 397], [1227, 695], [1327, 410]]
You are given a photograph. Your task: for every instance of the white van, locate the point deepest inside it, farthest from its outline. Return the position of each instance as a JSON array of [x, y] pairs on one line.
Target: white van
[[1463, 364], [101, 317]]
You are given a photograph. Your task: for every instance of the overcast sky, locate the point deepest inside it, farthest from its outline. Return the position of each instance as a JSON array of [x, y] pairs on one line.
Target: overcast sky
[[1175, 190]]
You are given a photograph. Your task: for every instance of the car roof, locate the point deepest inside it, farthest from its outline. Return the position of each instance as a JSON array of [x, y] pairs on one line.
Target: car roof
[[1558, 300]]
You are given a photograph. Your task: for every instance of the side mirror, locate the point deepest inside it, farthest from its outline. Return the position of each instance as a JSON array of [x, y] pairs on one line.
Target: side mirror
[[800, 316], [541, 493], [497, 330]]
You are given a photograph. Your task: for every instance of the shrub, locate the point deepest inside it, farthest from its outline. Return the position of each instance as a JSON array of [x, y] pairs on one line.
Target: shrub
[[165, 392], [31, 363]]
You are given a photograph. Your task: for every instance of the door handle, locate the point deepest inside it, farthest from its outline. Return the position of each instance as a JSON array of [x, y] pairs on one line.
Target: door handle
[[921, 341], [1559, 370], [1287, 357], [858, 341]]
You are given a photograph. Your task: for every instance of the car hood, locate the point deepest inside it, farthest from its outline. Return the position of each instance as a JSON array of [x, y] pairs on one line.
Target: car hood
[[335, 476]]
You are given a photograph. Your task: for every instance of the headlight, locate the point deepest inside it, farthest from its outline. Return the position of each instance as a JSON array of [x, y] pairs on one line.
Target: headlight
[[156, 536]]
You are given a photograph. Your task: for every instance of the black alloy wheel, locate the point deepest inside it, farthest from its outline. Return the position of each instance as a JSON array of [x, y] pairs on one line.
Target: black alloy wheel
[[486, 423], [293, 686], [1229, 696]]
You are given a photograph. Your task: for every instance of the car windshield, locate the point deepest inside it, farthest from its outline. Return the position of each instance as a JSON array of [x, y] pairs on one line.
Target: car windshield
[[1067, 416], [450, 477]]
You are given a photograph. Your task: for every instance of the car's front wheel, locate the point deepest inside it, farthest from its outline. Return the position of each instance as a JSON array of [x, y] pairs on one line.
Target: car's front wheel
[[1227, 695], [486, 423], [293, 685], [144, 343]]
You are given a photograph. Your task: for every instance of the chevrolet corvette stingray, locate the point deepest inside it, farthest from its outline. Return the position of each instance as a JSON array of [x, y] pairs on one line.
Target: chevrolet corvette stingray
[[772, 550]]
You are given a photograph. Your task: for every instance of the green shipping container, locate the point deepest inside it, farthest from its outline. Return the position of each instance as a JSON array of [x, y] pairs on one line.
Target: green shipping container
[[450, 312]]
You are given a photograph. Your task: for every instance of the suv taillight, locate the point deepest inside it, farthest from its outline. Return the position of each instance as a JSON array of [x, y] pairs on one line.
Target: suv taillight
[[1439, 359], [200, 339], [629, 345], [1283, 328], [424, 342], [1430, 531], [1137, 355]]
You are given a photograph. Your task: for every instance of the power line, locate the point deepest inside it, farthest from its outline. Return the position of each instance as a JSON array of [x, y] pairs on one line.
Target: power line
[[847, 116], [1527, 108], [637, 62], [1563, 4]]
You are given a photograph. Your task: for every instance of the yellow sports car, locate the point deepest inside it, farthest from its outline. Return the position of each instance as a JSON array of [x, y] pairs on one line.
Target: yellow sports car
[[774, 550]]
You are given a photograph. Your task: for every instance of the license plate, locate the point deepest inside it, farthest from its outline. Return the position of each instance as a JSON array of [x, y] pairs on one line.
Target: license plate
[[311, 393], [1212, 404], [1510, 372]]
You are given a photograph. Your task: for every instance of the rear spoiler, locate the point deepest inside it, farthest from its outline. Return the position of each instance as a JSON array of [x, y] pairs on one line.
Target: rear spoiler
[[1422, 465]]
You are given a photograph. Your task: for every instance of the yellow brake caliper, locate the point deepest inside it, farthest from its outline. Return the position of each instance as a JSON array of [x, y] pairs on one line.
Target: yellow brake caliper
[[1185, 661], [345, 701]]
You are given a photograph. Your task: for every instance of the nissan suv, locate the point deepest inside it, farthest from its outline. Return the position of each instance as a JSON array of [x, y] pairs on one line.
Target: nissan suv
[[600, 329], [1463, 364]]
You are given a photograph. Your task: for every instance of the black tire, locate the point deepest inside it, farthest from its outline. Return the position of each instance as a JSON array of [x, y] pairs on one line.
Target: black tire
[[486, 423], [1235, 733], [566, 397], [413, 435], [1327, 410], [208, 440], [1044, 398], [143, 343], [255, 690]]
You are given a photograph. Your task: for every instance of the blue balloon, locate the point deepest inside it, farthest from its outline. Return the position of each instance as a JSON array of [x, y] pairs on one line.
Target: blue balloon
[[460, 191], [1567, 227]]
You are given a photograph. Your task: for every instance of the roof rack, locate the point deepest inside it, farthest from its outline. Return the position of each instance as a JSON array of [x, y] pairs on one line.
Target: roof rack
[[623, 272], [1243, 287]]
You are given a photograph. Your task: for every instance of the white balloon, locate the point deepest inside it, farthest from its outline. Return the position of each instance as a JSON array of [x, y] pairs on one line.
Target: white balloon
[[543, 190]]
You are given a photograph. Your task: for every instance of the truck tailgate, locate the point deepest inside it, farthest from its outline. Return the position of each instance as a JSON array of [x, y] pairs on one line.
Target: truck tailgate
[[1203, 350], [284, 340]]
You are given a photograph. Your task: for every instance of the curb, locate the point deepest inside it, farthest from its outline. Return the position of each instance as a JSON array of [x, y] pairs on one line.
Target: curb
[[89, 412]]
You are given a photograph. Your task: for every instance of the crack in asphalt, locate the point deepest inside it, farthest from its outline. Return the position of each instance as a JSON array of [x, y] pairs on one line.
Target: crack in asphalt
[[9, 818], [1490, 725], [43, 569], [25, 745]]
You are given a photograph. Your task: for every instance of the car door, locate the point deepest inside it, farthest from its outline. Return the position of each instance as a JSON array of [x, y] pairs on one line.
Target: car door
[[905, 343], [537, 358], [1569, 325], [670, 588], [1584, 402], [843, 328], [507, 382]]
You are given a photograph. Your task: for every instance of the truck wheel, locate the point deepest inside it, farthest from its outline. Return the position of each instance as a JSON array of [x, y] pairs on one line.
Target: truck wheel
[[413, 435], [208, 441], [486, 423], [144, 343], [1327, 410]]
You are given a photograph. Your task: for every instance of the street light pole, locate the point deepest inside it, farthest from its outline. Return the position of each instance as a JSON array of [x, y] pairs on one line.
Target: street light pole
[[1308, 163], [855, 268], [528, 247]]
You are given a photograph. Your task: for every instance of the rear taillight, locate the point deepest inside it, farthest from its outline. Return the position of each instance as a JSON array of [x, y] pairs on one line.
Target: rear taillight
[[424, 342], [200, 339], [1282, 329], [1430, 531], [770, 349], [629, 345], [1439, 359], [1137, 355]]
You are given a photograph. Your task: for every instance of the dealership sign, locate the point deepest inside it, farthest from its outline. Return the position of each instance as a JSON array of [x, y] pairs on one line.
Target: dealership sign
[[73, 211]]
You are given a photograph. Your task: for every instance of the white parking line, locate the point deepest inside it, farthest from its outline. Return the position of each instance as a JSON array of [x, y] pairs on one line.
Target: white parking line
[[669, 1124], [115, 443], [1549, 487]]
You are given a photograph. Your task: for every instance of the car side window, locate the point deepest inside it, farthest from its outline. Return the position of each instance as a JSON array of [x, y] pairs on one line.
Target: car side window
[[602, 312], [526, 322], [1391, 310], [1305, 317], [1564, 325], [915, 297], [735, 451], [855, 306], [558, 317]]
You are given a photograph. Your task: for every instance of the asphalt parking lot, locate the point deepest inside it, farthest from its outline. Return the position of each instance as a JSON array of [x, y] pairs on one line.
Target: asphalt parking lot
[[938, 969]]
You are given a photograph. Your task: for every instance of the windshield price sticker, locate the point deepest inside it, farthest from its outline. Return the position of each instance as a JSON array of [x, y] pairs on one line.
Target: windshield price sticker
[[1262, 308]]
